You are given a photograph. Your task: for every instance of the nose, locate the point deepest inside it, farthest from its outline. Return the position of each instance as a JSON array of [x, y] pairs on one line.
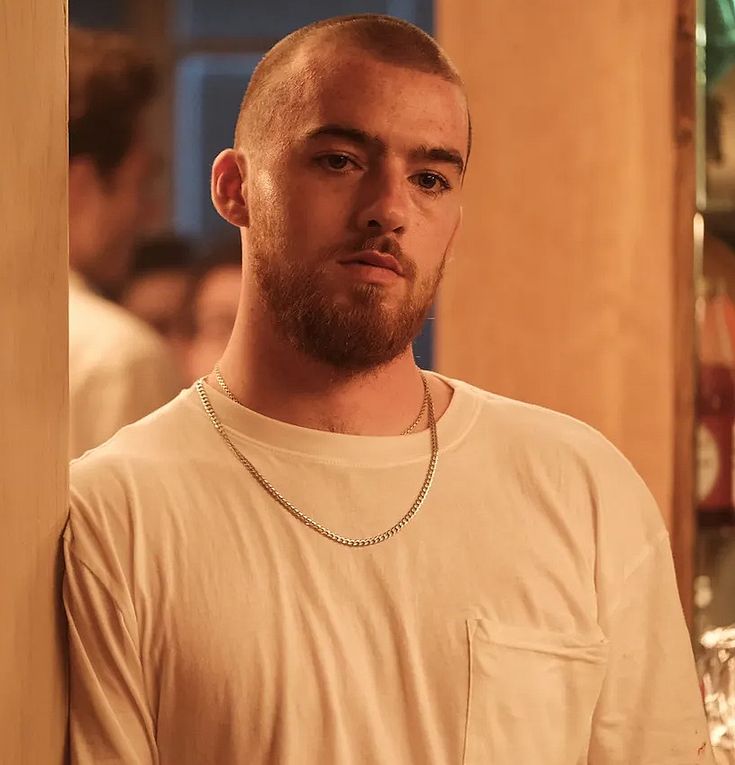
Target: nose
[[384, 209]]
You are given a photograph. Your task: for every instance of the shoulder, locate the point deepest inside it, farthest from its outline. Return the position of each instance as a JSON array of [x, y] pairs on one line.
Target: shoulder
[[556, 455], [568, 480], [536, 429], [145, 453], [120, 488], [167, 435]]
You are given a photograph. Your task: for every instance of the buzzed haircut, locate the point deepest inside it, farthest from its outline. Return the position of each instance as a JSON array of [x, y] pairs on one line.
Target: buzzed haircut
[[388, 39], [111, 82]]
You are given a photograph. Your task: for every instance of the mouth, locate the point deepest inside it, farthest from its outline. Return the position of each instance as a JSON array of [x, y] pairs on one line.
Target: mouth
[[374, 259]]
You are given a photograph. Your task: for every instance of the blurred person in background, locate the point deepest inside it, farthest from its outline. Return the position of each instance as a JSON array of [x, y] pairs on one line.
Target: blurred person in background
[[159, 287], [212, 306], [119, 369]]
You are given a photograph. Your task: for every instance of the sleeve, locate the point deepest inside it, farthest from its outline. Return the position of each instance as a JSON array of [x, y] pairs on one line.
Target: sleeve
[[109, 717], [650, 711]]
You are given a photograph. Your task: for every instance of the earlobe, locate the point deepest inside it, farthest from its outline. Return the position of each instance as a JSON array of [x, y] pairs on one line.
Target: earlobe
[[228, 187]]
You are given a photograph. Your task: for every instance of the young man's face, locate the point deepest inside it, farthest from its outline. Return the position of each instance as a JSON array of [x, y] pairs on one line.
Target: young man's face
[[353, 211]]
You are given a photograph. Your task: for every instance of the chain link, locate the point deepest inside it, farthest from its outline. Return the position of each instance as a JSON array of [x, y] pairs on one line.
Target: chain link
[[303, 517]]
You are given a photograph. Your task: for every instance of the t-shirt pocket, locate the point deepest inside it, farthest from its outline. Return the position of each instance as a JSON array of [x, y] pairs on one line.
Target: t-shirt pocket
[[532, 694]]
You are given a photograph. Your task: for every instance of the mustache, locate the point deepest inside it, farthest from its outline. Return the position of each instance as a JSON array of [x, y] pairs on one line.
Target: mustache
[[390, 246]]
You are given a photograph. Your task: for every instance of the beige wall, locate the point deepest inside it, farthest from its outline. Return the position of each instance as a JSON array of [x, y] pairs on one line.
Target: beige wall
[[33, 351], [561, 292]]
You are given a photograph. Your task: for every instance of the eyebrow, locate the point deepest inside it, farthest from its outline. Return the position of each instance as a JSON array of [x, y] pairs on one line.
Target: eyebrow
[[439, 154], [362, 138]]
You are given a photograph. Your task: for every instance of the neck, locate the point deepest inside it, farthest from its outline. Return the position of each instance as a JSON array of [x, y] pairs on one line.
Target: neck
[[268, 375]]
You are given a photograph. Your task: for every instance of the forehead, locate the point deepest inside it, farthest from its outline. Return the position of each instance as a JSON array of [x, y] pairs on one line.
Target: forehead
[[395, 103]]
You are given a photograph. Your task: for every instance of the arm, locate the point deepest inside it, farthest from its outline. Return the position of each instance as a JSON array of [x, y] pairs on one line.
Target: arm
[[650, 710], [109, 717]]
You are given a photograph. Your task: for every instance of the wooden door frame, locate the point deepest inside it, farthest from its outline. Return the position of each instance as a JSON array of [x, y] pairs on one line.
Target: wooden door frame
[[33, 364]]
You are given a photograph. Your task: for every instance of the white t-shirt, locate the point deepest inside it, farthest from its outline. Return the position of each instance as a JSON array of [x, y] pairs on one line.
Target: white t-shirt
[[527, 615], [119, 369]]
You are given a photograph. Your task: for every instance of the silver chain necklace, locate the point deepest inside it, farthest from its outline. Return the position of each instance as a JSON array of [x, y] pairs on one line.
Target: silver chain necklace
[[226, 388], [303, 517]]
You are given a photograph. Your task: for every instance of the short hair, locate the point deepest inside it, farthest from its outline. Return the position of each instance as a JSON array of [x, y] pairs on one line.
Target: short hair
[[386, 38], [111, 82]]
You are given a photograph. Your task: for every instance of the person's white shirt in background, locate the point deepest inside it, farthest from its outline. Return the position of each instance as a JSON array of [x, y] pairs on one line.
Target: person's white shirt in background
[[119, 369]]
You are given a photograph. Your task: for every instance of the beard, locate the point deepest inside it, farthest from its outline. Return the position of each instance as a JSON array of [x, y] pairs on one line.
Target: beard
[[354, 335]]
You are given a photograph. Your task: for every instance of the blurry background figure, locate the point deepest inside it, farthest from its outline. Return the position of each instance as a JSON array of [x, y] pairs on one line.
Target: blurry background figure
[[159, 286], [119, 369], [111, 86], [212, 305]]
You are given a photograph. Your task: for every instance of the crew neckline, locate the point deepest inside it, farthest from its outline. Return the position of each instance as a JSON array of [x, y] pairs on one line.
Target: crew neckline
[[248, 427]]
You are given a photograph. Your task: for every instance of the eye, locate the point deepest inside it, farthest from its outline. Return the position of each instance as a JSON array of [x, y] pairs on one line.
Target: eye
[[431, 182], [335, 161]]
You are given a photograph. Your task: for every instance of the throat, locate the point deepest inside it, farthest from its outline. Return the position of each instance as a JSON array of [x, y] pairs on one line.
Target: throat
[[336, 426], [389, 401]]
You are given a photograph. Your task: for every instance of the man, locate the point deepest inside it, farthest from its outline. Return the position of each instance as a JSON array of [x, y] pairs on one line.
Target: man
[[320, 554], [212, 306], [119, 370]]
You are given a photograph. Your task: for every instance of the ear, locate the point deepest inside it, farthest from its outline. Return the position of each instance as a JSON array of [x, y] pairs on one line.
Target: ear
[[229, 172]]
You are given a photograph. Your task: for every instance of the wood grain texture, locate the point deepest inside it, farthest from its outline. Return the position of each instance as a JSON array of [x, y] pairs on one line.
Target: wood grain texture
[[562, 290], [33, 364]]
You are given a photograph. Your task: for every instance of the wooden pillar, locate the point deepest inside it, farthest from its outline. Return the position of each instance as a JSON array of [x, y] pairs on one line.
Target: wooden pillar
[[33, 363], [571, 286]]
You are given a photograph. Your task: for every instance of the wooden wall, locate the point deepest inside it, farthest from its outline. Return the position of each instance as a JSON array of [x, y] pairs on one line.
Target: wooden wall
[[572, 282], [563, 278], [33, 367]]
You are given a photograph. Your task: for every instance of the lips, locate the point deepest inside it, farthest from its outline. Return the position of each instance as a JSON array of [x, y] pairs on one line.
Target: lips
[[375, 259]]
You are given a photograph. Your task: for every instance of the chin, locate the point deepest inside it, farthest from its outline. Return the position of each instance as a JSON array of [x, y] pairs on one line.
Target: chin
[[376, 295]]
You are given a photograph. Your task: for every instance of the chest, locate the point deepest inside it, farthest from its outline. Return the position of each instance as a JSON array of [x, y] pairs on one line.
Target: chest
[[274, 631]]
